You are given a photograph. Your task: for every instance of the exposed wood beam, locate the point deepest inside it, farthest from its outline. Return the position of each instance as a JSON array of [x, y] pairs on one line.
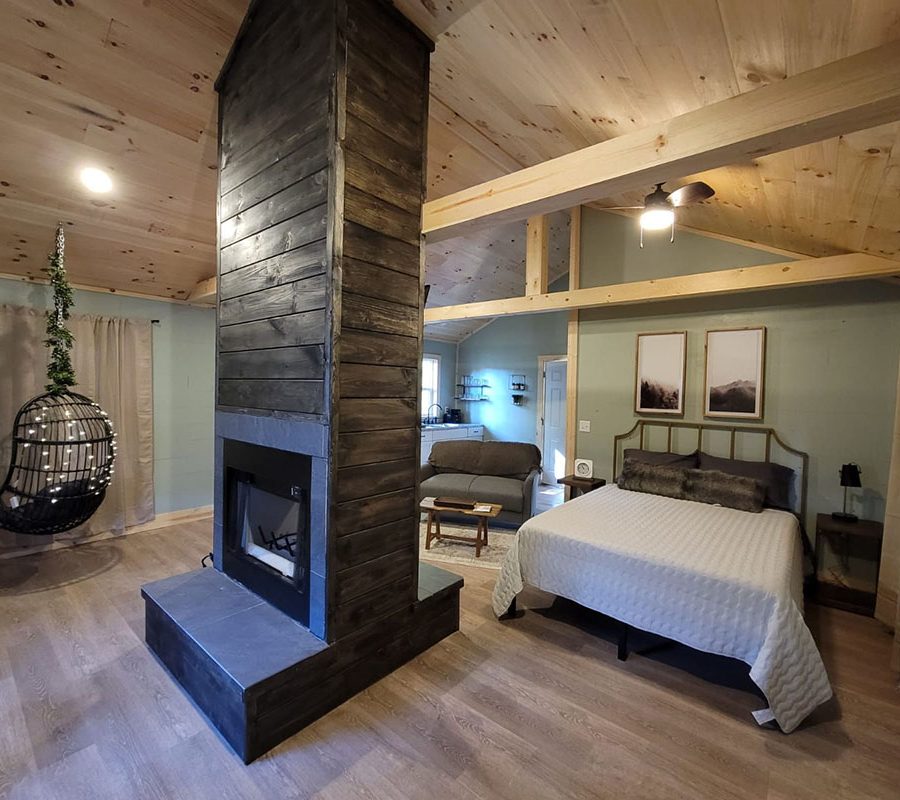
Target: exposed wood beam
[[851, 94], [832, 269], [204, 291], [537, 255], [572, 343], [83, 287]]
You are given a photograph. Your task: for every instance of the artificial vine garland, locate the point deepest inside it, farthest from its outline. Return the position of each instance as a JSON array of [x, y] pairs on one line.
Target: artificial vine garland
[[59, 339]]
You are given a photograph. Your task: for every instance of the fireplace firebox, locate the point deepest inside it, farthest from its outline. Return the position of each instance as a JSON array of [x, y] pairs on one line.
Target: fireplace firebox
[[267, 524]]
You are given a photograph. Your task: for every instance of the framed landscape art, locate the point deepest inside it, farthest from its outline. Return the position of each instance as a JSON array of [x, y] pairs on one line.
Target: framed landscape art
[[659, 373], [735, 373]]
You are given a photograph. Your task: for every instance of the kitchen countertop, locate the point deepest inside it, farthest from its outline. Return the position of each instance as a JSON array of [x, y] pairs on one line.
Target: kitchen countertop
[[449, 426]]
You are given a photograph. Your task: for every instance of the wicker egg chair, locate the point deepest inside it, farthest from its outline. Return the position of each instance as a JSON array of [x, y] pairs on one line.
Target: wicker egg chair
[[63, 444], [63, 455]]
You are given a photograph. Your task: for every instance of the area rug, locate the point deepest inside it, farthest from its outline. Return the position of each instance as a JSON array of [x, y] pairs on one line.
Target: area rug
[[500, 540]]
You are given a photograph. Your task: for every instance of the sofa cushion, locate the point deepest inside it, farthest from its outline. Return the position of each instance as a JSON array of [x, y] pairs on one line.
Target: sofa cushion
[[492, 489], [448, 484], [508, 459], [456, 455]]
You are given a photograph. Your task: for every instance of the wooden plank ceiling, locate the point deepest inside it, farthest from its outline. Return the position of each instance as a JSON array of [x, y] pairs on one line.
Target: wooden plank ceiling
[[127, 86], [489, 264]]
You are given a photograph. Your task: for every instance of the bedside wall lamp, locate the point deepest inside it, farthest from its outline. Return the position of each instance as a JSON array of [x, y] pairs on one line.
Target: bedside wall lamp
[[849, 479]]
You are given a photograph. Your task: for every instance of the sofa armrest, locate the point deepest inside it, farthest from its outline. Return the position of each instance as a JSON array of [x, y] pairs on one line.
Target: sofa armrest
[[528, 493], [426, 471]]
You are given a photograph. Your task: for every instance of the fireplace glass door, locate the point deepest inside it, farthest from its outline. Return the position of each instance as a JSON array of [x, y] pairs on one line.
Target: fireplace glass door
[[273, 529], [267, 524]]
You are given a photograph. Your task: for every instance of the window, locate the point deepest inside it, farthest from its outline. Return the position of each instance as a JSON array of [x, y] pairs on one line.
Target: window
[[431, 383]]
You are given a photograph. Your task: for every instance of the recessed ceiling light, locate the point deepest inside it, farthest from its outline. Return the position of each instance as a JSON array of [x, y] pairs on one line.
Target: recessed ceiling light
[[96, 180]]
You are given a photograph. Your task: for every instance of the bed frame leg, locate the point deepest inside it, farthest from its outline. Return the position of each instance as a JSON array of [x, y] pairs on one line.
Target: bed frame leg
[[622, 655], [511, 611]]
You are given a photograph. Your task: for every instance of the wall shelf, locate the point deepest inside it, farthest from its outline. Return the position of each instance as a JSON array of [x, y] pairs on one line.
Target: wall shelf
[[471, 390]]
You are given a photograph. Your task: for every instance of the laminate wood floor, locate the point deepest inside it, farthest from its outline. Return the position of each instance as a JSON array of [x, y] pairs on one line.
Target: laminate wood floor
[[537, 707]]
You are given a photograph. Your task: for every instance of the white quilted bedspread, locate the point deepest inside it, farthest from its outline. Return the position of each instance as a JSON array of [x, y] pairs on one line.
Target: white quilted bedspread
[[716, 579]]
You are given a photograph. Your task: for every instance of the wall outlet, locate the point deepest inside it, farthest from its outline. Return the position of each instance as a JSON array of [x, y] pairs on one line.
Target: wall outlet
[[584, 426]]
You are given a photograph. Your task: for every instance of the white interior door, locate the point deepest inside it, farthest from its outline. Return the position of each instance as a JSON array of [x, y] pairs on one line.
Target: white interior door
[[553, 447]]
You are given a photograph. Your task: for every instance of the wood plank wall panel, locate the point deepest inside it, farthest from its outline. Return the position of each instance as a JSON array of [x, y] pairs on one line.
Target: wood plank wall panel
[[380, 338], [295, 265], [310, 157], [291, 331], [320, 197], [299, 125], [363, 347], [275, 169], [376, 415]]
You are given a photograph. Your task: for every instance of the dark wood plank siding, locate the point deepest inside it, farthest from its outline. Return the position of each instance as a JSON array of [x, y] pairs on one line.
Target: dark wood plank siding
[[376, 415], [275, 154], [276, 301], [374, 446], [291, 331], [374, 511], [323, 109], [295, 265], [304, 363], [363, 546], [381, 325], [368, 347]]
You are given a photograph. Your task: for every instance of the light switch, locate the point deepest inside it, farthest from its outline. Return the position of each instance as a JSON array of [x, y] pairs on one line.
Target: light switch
[[584, 425]]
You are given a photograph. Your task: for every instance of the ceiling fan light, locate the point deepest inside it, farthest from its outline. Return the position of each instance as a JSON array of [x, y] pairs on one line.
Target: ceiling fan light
[[657, 219]]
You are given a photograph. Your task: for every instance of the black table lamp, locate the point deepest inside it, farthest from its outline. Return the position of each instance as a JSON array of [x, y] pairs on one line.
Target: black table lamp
[[849, 478]]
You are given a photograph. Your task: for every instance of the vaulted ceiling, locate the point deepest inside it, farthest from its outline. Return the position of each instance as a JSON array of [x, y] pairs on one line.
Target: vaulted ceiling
[[128, 87]]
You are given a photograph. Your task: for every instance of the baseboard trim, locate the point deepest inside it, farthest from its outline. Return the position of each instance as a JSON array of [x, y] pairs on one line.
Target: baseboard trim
[[160, 521]]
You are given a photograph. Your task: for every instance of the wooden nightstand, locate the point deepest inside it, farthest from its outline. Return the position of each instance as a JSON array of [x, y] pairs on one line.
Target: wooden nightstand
[[581, 485], [856, 547]]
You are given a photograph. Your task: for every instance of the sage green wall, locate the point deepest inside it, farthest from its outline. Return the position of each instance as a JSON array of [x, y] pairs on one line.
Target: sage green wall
[[831, 365], [447, 352], [611, 252], [510, 345], [183, 380]]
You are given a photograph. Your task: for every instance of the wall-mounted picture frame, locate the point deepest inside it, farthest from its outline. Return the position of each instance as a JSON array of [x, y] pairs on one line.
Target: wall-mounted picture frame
[[659, 373], [734, 387]]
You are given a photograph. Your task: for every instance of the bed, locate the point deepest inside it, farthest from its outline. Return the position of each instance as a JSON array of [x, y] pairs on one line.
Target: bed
[[716, 579]]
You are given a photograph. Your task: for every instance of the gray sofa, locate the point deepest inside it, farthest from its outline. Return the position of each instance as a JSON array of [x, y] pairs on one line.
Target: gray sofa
[[493, 472]]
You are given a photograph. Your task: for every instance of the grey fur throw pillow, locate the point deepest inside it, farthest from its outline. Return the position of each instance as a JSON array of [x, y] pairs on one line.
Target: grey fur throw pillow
[[721, 489], [653, 479]]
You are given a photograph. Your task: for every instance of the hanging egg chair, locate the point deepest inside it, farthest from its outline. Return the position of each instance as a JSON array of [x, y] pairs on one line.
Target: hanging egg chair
[[63, 451], [63, 444]]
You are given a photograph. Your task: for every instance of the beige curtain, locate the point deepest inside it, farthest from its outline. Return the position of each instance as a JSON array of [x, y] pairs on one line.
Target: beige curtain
[[887, 609], [113, 365]]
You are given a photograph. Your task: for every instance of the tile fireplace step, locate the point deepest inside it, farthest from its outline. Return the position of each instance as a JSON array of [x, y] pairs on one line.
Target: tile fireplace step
[[258, 675]]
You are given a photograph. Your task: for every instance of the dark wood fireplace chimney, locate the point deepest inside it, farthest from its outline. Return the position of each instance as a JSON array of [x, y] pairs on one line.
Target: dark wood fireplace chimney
[[322, 130], [323, 116]]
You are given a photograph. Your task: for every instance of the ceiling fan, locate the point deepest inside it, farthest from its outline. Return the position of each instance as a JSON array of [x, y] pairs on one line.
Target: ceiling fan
[[659, 206]]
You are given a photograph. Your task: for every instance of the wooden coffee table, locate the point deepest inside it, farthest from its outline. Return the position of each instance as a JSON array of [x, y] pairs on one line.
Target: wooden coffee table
[[481, 529]]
